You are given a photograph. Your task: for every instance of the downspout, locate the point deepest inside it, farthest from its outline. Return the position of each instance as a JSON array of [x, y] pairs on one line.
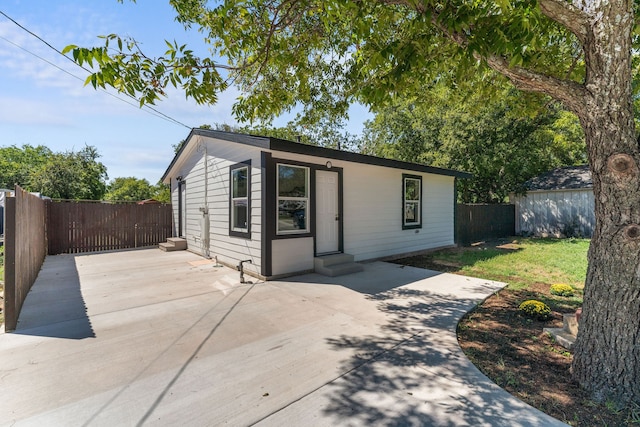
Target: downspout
[[205, 209]]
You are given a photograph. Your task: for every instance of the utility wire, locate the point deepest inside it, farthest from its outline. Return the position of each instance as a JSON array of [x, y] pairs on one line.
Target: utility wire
[[158, 114], [69, 73]]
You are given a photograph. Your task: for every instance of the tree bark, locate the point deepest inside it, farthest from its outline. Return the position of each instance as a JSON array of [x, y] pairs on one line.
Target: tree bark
[[607, 352]]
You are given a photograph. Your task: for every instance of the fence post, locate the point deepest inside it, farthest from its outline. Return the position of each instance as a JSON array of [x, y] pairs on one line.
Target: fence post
[[10, 312]]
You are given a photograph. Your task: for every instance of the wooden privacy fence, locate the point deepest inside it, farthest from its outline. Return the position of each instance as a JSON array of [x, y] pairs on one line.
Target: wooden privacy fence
[[25, 248], [477, 222], [75, 227]]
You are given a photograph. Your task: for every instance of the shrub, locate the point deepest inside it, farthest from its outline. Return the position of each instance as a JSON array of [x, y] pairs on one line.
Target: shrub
[[535, 309], [562, 289]]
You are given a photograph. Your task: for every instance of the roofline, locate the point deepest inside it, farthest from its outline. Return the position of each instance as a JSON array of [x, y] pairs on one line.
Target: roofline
[[277, 144]]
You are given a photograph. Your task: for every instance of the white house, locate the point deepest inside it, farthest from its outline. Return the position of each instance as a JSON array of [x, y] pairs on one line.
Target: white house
[[557, 203], [290, 207]]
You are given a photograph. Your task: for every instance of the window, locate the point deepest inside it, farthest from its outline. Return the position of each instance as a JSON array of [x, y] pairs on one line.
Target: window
[[293, 199], [240, 218], [411, 202]]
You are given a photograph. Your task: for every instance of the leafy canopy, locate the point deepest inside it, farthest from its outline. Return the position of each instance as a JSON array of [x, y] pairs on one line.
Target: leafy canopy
[[325, 54], [502, 141], [133, 189], [66, 175]]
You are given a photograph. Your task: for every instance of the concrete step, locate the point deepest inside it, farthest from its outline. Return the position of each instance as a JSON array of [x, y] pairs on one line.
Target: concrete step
[[333, 259], [178, 242], [336, 265], [562, 337], [570, 324], [173, 244]]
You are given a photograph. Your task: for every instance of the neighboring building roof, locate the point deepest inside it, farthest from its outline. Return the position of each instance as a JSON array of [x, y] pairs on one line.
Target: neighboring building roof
[[276, 144], [149, 202], [567, 178]]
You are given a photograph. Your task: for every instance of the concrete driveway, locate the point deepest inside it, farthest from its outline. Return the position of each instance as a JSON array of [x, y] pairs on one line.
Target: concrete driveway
[[153, 338]]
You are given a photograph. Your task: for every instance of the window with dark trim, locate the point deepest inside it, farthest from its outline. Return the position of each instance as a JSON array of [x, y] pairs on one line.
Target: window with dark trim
[[411, 201], [240, 200], [293, 199]]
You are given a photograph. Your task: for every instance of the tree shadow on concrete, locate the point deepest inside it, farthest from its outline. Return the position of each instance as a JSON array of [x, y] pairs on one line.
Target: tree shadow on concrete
[[55, 306], [414, 373]]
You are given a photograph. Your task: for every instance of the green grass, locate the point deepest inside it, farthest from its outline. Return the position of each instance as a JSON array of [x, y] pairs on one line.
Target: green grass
[[524, 261]]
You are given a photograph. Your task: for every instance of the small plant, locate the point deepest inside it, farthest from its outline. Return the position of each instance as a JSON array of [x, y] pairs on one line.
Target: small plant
[[562, 289], [536, 309]]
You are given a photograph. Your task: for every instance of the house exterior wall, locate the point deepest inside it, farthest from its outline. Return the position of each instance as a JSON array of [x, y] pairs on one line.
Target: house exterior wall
[[556, 213], [372, 197], [207, 203], [373, 213], [371, 203]]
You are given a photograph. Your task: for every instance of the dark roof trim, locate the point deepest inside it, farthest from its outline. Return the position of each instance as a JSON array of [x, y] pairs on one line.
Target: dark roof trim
[[276, 144], [312, 150]]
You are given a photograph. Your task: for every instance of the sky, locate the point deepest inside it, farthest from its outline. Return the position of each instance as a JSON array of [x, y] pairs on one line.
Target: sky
[[43, 100]]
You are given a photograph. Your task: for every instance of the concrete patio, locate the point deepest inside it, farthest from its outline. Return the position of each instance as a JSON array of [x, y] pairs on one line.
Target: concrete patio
[[153, 338]]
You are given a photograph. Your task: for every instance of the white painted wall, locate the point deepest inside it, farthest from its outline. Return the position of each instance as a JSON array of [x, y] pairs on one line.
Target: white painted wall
[[292, 255], [373, 212], [548, 213], [373, 209], [214, 195]]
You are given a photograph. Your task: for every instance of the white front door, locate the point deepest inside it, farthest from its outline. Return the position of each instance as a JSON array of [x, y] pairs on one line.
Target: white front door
[[327, 212]]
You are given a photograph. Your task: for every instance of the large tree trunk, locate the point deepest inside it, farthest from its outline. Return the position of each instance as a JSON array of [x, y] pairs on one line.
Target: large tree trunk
[[607, 352]]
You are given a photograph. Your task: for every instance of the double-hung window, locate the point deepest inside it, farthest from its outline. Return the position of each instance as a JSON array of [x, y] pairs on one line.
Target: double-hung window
[[411, 201], [293, 199], [240, 201]]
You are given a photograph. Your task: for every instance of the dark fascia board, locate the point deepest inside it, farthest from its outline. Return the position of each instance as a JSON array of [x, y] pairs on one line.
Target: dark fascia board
[[256, 141], [277, 144], [312, 150]]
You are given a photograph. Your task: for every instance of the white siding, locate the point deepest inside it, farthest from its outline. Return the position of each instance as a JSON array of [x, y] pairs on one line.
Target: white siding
[[552, 213], [214, 195], [292, 255], [373, 212], [373, 209]]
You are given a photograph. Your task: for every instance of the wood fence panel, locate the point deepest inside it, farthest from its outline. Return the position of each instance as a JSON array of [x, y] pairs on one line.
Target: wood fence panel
[[79, 227], [477, 222], [25, 250]]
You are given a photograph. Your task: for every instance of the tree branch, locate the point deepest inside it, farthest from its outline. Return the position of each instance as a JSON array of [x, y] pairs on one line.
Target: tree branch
[[567, 15], [570, 93]]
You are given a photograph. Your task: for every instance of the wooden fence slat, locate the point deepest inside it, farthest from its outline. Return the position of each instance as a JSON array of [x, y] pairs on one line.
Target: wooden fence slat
[[477, 222], [78, 227]]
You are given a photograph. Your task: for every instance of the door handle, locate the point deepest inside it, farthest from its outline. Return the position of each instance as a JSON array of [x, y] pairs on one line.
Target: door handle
[[337, 217]]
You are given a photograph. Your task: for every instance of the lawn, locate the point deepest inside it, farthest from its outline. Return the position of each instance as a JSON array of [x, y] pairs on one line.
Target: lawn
[[511, 348]]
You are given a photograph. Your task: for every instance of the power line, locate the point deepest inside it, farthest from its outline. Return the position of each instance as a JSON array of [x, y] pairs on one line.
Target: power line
[[158, 114]]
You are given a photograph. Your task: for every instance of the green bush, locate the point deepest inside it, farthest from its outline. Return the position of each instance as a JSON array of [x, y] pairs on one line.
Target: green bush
[[535, 309], [562, 289]]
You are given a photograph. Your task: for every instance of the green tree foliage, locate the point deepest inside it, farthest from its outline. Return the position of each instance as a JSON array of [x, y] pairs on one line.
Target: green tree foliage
[[129, 189], [71, 175], [17, 164], [68, 175], [132, 189], [324, 54], [503, 141], [162, 193]]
